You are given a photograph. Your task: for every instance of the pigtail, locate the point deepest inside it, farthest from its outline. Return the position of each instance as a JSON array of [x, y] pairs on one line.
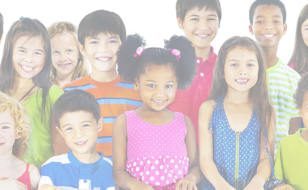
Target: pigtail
[[127, 62], [187, 66]]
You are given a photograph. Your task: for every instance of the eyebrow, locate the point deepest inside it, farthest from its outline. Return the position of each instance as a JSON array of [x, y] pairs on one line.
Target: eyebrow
[[114, 37], [305, 25], [150, 81], [261, 16], [26, 48], [207, 15], [5, 123]]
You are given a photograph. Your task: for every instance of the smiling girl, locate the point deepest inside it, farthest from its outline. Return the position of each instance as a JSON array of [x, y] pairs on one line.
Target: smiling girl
[[25, 74]]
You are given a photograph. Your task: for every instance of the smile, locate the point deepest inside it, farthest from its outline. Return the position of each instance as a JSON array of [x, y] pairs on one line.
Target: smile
[[202, 35], [65, 65], [241, 81], [104, 59], [269, 35], [27, 68], [80, 144], [159, 102]]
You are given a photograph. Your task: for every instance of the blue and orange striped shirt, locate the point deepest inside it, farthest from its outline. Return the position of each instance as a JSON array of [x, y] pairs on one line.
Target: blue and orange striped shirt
[[114, 98]]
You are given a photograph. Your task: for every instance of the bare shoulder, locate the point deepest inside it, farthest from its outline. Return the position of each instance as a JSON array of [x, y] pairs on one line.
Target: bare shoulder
[[119, 124], [207, 106], [34, 175]]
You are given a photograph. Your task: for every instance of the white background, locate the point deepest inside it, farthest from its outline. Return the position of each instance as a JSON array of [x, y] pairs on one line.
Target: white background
[[155, 20]]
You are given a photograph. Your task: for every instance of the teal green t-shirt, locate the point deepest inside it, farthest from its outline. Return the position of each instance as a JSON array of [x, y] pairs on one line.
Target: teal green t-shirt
[[40, 143], [291, 161]]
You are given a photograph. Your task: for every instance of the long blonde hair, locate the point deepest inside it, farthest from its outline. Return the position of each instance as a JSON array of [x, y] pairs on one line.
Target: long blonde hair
[[81, 68], [22, 123]]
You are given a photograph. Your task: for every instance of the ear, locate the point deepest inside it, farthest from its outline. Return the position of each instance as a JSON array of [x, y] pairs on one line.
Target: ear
[[82, 49], [250, 29], [301, 112], [100, 124], [180, 23], [285, 27], [136, 84], [60, 131]]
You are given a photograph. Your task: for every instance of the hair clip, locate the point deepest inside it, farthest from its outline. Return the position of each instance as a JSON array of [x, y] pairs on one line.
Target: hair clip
[[231, 43], [21, 18], [139, 51], [176, 53]]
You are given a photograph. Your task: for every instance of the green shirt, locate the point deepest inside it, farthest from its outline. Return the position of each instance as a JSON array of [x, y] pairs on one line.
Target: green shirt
[[282, 83], [40, 143], [291, 161]]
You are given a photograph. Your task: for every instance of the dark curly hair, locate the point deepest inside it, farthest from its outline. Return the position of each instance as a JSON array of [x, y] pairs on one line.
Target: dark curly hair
[[301, 90], [130, 67], [257, 3]]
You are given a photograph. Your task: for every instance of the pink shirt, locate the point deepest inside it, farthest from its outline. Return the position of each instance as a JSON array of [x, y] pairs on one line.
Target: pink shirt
[[189, 101]]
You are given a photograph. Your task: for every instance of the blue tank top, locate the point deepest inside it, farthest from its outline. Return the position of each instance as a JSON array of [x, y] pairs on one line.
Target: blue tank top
[[236, 154]]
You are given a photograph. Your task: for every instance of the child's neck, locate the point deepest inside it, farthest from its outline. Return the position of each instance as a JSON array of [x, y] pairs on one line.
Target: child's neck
[[237, 97], [7, 160], [87, 158], [22, 83], [305, 135], [63, 79], [204, 53], [104, 76], [270, 56]]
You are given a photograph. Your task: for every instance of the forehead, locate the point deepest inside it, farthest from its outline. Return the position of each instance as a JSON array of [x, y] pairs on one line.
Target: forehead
[[158, 72], [6, 116], [305, 23], [76, 117], [267, 11], [201, 11], [241, 53], [66, 38], [103, 35], [29, 41]]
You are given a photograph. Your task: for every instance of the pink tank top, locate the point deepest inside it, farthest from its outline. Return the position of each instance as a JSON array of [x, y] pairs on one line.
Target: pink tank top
[[25, 178], [156, 154]]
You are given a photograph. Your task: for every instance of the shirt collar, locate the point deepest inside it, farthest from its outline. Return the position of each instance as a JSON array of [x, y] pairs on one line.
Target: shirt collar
[[92, 166], [211, 60]]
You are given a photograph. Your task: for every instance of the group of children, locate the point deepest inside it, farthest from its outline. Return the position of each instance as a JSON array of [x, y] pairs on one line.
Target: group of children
[[172, 118]]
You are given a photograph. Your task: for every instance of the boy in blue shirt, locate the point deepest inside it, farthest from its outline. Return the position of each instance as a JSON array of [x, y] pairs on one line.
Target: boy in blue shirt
[[78, 118]]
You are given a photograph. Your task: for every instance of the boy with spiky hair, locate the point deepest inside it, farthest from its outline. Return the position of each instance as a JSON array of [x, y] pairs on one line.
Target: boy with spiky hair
[[200, 20], [100, 35], [268, 25]]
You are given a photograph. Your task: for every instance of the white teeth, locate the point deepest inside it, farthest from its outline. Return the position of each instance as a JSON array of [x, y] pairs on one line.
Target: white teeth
[[269, 36], [201, 35], [103, 59], [80, 143], [27, 68], [158, 101], [241, 80]]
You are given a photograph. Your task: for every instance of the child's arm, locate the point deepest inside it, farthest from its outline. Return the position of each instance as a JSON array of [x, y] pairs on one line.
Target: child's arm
[[193, 176], [48, 187], [294, 125], [264, 167], [207, 164], [34, 176], [12, 184], [119, 143]]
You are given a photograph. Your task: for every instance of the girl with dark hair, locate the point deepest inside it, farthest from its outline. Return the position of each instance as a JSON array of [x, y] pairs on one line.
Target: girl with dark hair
[[153, 147], [237, 121], [299, 59], [25, 76]]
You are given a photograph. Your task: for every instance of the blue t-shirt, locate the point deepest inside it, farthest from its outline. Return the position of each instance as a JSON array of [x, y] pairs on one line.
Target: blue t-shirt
[[66, 172]]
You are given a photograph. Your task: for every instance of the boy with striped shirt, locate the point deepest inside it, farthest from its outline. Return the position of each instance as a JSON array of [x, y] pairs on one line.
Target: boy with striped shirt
[[100, 35], [267, 24]]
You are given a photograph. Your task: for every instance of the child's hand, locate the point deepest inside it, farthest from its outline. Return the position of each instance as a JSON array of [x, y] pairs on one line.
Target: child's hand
[[138, 185], [184, 184], [284, 187], [12, 184], [48, 187], [254, 185]]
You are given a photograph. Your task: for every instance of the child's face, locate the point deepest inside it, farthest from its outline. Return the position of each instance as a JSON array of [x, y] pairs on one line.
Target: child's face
[[101, 51], [304, 109], [241, 69], [200, 26], [268, 26], [7, 132], [157, 86], [28, 56], [65, 53], [305, 31], [80, 130]]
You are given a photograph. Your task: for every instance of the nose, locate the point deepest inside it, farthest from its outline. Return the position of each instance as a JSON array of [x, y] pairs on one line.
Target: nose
[[269, 26], [28, 58], [160, 92], [78, 133], [63, 57], [103, 47], [202, 24]]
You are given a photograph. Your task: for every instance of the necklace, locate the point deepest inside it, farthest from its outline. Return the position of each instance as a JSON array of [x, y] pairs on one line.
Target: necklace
[[27, 93]]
